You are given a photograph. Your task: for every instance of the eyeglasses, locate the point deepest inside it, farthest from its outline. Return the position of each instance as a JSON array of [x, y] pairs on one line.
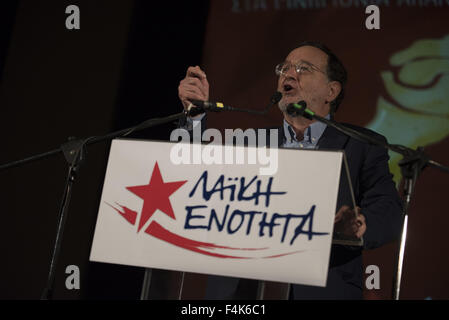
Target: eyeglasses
[[300, 68]]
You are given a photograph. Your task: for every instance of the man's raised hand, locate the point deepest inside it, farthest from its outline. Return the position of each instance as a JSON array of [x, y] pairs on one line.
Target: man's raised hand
[[194, 86]]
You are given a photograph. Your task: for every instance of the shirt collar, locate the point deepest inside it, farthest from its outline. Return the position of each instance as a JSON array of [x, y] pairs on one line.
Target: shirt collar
[[311, 135]]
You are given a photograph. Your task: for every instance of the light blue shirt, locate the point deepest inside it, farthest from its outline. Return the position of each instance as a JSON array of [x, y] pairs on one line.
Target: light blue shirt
[[311, 135], [190, 123]]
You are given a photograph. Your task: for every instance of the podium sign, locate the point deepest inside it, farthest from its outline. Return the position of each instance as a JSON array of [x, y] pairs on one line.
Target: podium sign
[[223, 219]]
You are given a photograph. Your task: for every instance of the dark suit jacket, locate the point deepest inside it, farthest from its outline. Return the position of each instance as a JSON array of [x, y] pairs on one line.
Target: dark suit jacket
[[376, 195]]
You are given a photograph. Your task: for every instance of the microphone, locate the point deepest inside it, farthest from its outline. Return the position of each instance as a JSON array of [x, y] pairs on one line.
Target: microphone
[[211, 106], [202, 106], [276, 97], [300, 109]]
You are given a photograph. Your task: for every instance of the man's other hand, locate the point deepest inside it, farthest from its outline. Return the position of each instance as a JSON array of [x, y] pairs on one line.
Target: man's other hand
[[350, 223]]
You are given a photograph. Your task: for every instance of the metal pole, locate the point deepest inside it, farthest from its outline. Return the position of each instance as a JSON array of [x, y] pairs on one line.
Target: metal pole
[[181, 287], [260, 290], [397, 287], [48, 291], [409, 184], [144, 294]]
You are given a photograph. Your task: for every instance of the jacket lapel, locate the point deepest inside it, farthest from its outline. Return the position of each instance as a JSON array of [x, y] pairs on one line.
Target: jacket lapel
[[332, 139]]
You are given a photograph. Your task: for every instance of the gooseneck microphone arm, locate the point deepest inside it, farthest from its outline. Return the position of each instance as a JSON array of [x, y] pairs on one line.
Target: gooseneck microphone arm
[[203, 106], [412, 164], [68, 147]]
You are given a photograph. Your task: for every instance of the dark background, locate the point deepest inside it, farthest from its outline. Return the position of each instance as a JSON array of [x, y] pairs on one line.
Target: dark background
[[123, 66]]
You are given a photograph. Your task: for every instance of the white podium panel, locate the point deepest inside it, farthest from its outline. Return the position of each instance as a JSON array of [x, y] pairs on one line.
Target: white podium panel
[[224, 219]]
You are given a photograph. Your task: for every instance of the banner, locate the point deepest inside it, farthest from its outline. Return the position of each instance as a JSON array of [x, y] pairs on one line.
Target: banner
[[224, 219]]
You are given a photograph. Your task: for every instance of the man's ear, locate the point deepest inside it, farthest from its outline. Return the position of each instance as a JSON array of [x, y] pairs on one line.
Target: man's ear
[[334, 90]]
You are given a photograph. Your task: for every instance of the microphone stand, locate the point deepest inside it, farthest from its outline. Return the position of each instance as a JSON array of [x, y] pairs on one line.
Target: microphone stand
[[412, 164], [74, 152]]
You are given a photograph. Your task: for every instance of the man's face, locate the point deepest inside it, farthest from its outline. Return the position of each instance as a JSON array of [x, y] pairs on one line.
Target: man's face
[[310, 85]]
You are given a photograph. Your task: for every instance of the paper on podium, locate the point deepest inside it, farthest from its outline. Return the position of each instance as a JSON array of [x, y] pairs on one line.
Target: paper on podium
[[222, 218]]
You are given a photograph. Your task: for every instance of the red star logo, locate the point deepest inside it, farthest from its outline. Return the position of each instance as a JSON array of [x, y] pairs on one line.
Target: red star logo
[[155, 196]]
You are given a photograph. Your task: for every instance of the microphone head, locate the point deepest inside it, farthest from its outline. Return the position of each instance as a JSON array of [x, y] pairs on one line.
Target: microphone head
[[194, 111], [302, 103], [195, 108], [275, 98], [294, 111], [197, 103]]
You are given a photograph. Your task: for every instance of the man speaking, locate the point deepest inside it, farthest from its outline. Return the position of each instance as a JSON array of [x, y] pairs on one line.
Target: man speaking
[[312, 73]]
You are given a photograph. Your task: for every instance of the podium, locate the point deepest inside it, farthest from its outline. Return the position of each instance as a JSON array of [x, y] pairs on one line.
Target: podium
[[264, 215]]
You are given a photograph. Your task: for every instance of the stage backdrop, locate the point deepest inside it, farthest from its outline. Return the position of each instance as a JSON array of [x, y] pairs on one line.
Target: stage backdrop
[[398, 86]]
